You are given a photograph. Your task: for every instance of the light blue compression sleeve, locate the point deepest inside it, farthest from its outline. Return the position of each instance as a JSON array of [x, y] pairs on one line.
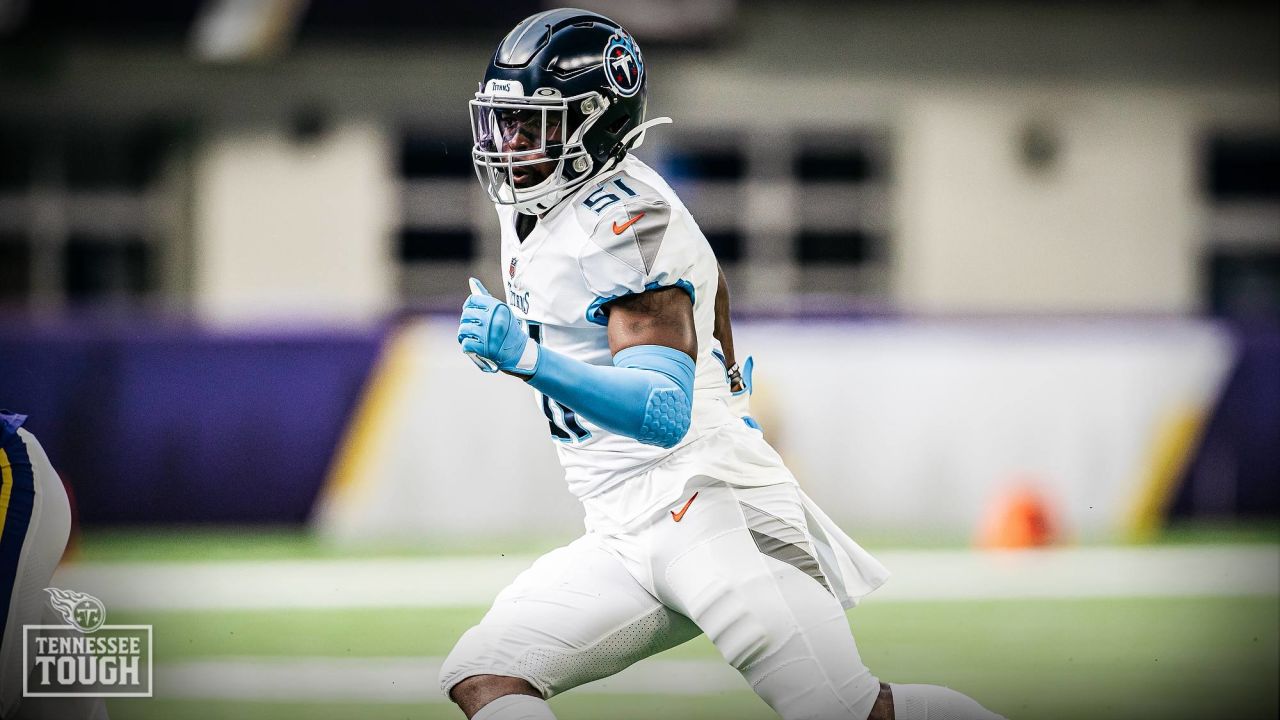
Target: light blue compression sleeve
[[646, 395]]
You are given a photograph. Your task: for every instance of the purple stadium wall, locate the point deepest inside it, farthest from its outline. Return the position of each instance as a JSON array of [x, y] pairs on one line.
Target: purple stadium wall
[[175, 424]]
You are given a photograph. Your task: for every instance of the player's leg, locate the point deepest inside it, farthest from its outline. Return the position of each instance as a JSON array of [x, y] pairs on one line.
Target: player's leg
[[575, 616], [747, 570], [740, 565], [499, 697], [929, 702]]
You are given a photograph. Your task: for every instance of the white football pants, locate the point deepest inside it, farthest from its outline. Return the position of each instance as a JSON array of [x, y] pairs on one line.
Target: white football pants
[[739, 564]]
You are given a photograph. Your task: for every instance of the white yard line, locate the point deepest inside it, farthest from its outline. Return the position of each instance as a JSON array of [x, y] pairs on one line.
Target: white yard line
[[403, 680], [1101, 572]]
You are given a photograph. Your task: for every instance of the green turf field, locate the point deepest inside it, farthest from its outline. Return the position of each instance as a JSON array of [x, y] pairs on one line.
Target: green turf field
[[1177, 657], [1167, 658]]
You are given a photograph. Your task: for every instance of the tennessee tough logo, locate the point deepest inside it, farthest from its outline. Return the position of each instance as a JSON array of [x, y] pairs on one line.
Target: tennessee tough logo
[[623, 65]]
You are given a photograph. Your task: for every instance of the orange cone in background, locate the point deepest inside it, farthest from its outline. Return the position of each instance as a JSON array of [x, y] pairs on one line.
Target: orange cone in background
[[1018, 519]]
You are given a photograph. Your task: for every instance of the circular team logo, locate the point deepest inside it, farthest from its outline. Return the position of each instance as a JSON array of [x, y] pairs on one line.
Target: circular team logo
[[82, 611], [623, 65]]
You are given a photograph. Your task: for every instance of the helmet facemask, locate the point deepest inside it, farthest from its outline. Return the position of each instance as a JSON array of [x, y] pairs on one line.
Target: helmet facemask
[[528, 150]]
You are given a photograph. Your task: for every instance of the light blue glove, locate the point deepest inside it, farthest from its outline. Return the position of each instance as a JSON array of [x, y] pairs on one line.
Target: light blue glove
[[740, 403], [647, 394], [491, 335]]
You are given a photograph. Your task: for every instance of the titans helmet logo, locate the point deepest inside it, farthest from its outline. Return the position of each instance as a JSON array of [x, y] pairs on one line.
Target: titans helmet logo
[[82, 611], [623, 65]]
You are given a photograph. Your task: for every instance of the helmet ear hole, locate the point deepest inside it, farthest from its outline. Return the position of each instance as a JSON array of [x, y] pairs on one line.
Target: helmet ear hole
[[616, 126]]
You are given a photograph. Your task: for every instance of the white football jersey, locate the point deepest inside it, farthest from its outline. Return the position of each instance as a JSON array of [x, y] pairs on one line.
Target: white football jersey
[[625, 232]]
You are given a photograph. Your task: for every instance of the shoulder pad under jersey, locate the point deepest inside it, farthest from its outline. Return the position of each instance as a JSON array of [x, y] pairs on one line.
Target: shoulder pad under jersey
[[626, 222]]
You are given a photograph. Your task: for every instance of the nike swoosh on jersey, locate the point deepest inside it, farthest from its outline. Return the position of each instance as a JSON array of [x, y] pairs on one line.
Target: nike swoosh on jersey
[[619, 229]]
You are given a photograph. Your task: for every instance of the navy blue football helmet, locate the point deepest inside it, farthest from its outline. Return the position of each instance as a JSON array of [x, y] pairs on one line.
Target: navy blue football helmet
[[563, 100]]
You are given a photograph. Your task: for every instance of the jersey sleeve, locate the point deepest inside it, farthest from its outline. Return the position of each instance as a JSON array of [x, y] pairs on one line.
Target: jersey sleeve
[[635, 242]]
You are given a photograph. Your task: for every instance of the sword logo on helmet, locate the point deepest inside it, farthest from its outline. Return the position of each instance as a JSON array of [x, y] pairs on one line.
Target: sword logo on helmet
[[623, 64]]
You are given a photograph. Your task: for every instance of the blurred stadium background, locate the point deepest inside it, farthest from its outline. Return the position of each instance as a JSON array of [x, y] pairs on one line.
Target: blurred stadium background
[[1042, 241]]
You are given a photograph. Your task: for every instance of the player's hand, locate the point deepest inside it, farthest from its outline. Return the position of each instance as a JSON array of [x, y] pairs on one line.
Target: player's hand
[[740, 402], [490, 334]]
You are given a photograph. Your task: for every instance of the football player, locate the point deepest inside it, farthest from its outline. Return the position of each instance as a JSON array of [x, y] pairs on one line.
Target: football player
[[615, 312], [35, 521]]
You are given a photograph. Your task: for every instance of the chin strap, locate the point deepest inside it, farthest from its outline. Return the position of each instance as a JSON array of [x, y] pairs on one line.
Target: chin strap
[[638, 132]]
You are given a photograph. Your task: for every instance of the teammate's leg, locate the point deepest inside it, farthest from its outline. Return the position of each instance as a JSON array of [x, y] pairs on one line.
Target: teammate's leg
[[573, 617]]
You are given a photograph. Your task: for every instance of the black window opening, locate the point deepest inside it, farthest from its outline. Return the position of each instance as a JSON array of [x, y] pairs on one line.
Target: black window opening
[[1244, 168], [424, 155], [419, 245], [847, 247], [821, 162], [85, 157], [726, 244], [1244, 284], [114, 159], [839, 163], [100, 267], [704, 164], [18, 147], [15, 267]]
